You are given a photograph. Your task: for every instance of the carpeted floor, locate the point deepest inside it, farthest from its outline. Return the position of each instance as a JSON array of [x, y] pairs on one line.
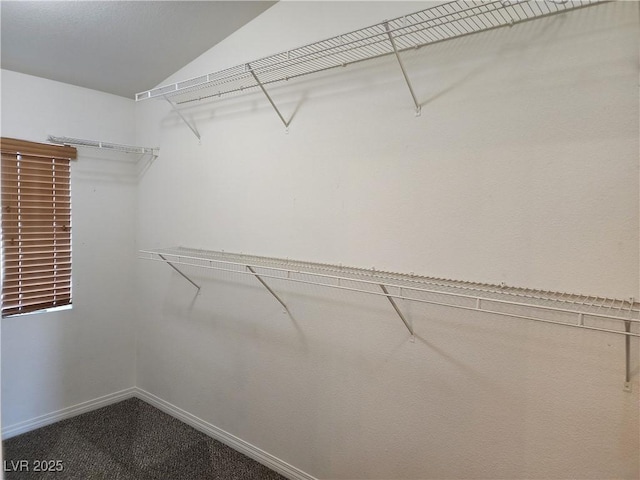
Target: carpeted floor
[[130, 440]]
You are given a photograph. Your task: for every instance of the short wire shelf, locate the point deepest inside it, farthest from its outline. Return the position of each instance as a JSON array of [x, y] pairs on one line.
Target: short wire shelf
[[116, 147], [436, 24]]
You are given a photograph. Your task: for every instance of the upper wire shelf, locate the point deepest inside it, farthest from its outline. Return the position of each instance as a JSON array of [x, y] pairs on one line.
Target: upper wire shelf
[[78, 142], [582, 311], [435, 24]]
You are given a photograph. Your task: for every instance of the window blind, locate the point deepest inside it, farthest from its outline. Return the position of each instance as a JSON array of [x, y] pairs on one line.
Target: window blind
[[36, 226]]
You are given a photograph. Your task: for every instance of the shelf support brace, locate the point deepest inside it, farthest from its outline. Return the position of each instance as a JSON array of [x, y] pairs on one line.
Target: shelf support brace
[[268, 288], [395, 307], [627, 350], [266, 94], [627, 357], [404, 72], [177, 270], [191, 127]]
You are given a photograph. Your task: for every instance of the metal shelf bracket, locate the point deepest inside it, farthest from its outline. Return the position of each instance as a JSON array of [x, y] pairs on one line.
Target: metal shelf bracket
[[627, 351], [180, 272], [404, 72], [266, 94], [627, 355], [395, 307], [264, 284], [191, 127]]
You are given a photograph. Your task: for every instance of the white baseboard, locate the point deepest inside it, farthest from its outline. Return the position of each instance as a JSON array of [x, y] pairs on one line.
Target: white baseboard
[[53, 417], [251, 451]]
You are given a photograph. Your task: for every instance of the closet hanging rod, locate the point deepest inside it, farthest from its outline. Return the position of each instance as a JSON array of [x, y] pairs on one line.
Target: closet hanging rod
[[78, 142], [435, 24], [206, 260]]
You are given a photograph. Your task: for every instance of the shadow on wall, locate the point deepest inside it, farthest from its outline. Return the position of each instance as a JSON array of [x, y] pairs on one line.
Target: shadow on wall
[[101, 166], [200, 308]]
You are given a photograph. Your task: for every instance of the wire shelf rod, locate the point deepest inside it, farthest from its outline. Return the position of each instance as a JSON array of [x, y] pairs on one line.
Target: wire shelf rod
[[398, 30], [181, 260], [454, 19], [430, 302], [326, 51], [379, 275], [78, 142]]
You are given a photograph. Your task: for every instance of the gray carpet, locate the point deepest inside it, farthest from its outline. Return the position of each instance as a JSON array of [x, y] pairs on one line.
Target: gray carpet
[[130, 440]]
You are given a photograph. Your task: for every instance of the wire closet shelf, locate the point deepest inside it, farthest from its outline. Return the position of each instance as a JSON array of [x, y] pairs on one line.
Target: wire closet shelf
[[116, 147], [608, 315], [435, 24]]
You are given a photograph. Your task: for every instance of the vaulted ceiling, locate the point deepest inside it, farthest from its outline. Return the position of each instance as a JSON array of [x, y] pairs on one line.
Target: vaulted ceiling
[[119, 47]]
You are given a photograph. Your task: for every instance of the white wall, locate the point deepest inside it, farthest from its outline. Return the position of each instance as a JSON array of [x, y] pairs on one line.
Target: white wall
[[56, 360], [523, 169]]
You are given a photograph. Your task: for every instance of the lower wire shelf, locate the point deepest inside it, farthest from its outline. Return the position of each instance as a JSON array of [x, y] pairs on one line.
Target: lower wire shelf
[[593, 313], [608, 315]]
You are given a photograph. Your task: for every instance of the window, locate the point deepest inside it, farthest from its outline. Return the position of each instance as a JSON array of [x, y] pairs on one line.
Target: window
[[36, 226]]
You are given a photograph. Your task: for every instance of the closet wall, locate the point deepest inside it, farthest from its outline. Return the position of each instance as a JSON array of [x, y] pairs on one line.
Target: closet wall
[[57, 360], [522, 168]]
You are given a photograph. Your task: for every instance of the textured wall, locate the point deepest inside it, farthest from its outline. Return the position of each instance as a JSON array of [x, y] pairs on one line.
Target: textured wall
[[522, 168]]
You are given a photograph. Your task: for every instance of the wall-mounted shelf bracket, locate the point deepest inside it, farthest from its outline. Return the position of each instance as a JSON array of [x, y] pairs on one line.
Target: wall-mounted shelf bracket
[[395, 307], [180, 272], [404, 72], [264, 284], [191, 126], [627, 355], [266, 94]]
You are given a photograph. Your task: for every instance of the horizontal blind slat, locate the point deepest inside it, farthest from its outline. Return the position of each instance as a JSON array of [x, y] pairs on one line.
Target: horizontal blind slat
[[34, 308], [38, 222], [50, 302], [29, 222], [15, 246], [14, 174], [26, 189], [28, 275], [18, 268], [14, 266], [50, 233], [34, 211], [28, 293], [60, 280]]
